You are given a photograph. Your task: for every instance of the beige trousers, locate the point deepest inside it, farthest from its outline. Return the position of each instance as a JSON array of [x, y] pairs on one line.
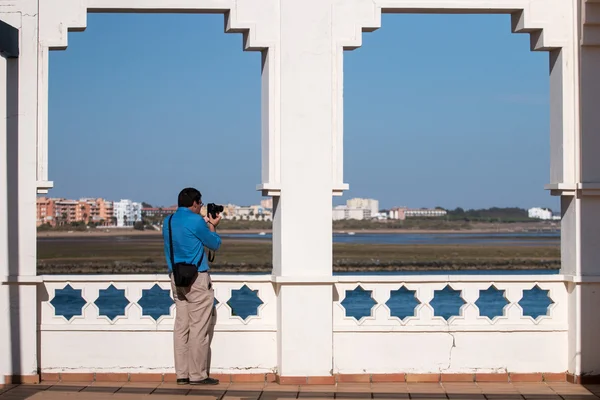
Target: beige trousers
[[194, 324]]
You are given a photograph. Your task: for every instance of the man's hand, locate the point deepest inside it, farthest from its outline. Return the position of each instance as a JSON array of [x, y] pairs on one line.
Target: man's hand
[[213, 222]]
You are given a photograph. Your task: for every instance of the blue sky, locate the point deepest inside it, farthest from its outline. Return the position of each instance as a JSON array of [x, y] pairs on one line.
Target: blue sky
[[440, 110]]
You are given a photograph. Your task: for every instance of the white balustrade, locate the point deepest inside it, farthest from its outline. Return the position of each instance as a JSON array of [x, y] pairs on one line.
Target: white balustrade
[[466, 342], [137, 342], [379, 341]]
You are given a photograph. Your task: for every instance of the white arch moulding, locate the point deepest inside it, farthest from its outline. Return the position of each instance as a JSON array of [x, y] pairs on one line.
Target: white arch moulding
[[302, 145]]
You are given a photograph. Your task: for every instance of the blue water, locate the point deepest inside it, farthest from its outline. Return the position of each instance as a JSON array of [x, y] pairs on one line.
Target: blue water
[[525, 239]]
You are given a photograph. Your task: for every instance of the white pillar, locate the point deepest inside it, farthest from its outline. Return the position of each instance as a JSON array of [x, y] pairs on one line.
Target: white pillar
[[580, 203], [18, 196], [43, 185], [302, 226], [4, 303]]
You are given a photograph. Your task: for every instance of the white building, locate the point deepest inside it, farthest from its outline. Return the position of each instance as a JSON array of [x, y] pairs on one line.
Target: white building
[[540, 213], [370, 204], [127, 212], [425, 212], [345, 212]]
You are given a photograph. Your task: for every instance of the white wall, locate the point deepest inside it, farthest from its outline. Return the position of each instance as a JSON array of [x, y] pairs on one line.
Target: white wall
[[152, 351], [442, 352]]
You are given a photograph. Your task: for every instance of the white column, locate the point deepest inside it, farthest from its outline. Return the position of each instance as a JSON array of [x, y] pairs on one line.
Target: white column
[[4, 303], [580, 203], [302, 242], [18, 194], [43, 185]]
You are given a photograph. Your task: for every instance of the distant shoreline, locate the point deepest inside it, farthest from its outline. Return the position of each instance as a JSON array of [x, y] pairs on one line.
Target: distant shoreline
[[133, 232]]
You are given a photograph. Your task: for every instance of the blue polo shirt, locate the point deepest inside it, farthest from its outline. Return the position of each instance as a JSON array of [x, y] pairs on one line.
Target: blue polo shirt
[[190, 235]]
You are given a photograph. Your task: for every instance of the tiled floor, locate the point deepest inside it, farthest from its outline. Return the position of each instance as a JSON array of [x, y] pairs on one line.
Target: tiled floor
[[250, 391]]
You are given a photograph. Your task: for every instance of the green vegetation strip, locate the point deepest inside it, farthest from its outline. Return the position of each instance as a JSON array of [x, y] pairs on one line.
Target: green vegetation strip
[[135, 254]]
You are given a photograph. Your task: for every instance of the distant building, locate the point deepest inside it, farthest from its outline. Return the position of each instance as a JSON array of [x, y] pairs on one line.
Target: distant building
[[370, 204], [267, 203], [425, 212], [46, 211], [159, 212], [402, 213], [542, 213], [345, 212], [397, 213], [55, 212], [247, 213], [127, 212]]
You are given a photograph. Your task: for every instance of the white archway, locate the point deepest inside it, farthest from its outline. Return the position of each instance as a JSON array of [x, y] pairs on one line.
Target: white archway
[[302, 88]]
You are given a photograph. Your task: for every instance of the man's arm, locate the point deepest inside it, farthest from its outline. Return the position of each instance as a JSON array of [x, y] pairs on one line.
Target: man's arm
[[207, 235]]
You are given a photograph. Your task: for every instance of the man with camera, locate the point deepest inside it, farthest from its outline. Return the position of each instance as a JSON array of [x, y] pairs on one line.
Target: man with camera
[[185, 234]]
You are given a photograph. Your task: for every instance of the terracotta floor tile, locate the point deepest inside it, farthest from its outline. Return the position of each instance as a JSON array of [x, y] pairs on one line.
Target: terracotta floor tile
[[152, 385], [318, 388], [458, 388], [569, 389], [391, 396], [209, 389], [171, 389], [67, 387], [103, 387], [6, 388], [466, 396], [125, 396], [386, 387], [317, 392], [250, 386], [354, 388], [275, 395], [42, 386], [275, 387], [433, 388], [221, 386], [20, 394], [459, 384], [159, 397], [315, 395], [535, 389], [47, 396], [242, 394], [78, 396], [135, 390], [316, 398], [353, 395], [205, 394], [503, 396], [428, 396]]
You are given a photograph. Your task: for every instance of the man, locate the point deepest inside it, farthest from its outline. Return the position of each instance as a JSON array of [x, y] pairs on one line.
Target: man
[[194, 304]]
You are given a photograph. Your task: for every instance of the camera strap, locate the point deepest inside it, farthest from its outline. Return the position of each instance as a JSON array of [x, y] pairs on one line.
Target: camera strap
[[171, 243]]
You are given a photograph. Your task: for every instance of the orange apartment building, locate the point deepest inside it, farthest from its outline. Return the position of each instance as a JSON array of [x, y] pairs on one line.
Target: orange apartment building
[[63, 211]]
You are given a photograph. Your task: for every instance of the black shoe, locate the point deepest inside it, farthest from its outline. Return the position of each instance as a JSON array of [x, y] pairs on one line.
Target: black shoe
[[207, 381], [184, 381]]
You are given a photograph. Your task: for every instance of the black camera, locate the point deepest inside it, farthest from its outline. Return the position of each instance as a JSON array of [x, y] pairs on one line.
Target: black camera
[[213, 209]]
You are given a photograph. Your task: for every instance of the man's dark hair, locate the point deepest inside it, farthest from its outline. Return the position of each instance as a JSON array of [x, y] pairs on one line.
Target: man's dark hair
[[188, 196]]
